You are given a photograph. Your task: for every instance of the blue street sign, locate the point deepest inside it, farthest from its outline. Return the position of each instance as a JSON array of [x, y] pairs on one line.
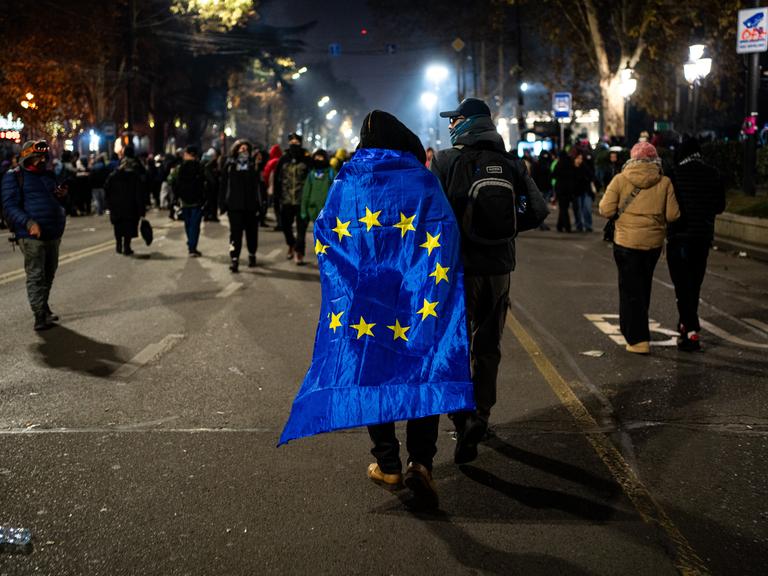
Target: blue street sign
[[334, 49], [562, 104], [391, 49]]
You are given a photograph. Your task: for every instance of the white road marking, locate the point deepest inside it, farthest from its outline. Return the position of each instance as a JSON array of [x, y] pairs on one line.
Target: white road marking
[[274, 254], [613, 330], [709, 327], [149, 353], [757, 324], [229, 290], [9, 277]]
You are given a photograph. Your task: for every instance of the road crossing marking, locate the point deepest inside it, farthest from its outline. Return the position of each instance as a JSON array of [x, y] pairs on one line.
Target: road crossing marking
[[229, 290], [613, 331], [149, 353], [757, 324], [274, 254], [685, 558], [9, 277]]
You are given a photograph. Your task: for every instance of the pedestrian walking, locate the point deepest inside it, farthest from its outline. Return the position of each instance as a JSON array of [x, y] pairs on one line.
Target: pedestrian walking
[[701, 195], [125, 191], [583, 193], [260, 158], [212, 171], [34, 208], [478, 152], [645, 201], [290, 175], [98, 177], [316, 188], [241, 202], [268, 176], [189, 188], [563, 180]]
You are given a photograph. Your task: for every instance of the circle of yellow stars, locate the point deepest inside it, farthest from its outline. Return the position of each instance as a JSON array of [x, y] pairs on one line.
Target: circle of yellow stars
[[405, 225]]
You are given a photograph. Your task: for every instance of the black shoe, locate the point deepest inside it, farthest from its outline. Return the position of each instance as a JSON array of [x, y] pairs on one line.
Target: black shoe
[[234, 266], [468, 436], [41, 322], [128, 252], [418, 479], [689, 342], [49, 315], [252, 261], [195, 253]]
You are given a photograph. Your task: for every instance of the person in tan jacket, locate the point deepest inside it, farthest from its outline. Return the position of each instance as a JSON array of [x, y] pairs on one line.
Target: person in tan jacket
[[639, 237]]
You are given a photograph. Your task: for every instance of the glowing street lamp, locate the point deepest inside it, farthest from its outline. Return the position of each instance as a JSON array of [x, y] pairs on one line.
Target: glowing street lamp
[[323, 101], [429, 100], [331, 115], [436, 74], [695, 71], [524, 87], [627, 87]]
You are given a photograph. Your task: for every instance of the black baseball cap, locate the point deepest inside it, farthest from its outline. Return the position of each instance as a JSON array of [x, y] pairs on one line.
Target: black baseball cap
[[468, 107]]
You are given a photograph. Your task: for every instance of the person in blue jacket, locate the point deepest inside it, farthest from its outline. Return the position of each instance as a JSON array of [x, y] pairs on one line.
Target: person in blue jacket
[[33, 207]]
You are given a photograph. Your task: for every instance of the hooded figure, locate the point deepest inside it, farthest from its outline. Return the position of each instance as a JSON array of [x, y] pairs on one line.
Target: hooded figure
[[240, 198], [391, 342], [647, 203], [124, 192], [316, 187]]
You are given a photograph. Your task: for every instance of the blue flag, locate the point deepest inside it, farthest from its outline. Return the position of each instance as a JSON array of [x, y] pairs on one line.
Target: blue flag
[[391, 343]]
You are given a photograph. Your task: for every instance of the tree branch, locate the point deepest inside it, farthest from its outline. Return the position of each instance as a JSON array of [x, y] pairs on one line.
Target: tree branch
[[641, 42], [598, 43]]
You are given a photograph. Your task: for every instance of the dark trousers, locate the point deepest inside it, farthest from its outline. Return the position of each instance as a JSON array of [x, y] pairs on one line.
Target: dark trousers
[[289, 213], [635, 281], [687, 260], [193, 217], [276, 205], [487, 301], [243, 221], [421, 443], [41, 259], [563, 218]]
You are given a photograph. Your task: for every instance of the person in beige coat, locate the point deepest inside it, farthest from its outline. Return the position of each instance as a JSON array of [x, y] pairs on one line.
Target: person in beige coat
[[639, 237]]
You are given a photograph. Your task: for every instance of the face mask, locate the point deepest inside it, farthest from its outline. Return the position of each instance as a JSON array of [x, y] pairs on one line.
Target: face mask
[[320, 164], [242, 157], [460, 129]]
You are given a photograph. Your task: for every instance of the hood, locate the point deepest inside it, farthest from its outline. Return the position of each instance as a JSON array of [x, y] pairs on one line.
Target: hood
[[129, 164], [482, 130], [237, 144], [642, 174], [384, 131], [275, 152], [341, 154]]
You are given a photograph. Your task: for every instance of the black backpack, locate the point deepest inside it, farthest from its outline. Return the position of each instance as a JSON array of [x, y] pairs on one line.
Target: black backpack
[[19, 175], [484, 192]]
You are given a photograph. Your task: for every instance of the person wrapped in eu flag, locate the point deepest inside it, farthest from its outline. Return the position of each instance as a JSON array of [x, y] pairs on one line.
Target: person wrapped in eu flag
[[391, 343]]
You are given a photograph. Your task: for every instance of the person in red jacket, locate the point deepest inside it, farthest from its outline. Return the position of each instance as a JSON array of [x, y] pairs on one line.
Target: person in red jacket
[[275, 153]]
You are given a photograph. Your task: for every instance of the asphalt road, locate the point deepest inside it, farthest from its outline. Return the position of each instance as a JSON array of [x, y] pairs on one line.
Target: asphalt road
[[139, 436]]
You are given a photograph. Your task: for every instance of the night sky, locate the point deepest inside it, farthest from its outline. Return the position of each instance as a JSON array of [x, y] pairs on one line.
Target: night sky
[[388, 82]]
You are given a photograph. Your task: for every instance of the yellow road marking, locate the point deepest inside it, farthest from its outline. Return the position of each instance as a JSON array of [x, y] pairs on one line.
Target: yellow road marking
[[686, 560], [9, 277]]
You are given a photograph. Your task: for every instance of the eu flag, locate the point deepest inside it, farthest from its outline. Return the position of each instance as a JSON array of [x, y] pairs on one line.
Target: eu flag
[[391, 343]]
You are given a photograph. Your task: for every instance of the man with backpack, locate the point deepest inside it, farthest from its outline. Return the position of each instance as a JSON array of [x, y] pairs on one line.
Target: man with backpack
[[33, 206], [290, 175], [493, 198]]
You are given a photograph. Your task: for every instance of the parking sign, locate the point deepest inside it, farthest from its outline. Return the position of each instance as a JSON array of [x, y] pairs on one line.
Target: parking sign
[[752, 35], [562, 103]]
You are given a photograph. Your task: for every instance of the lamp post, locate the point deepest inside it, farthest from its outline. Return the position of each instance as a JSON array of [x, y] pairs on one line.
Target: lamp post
[[435, 75], [628, 85], [695, 70]]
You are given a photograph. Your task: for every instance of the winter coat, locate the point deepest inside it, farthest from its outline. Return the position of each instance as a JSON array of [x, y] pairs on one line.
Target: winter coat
[[39, 204], [239, 189], [643, 224], [189, 184], [275, 153], [124, 192], [564, 177], [315, 192], [485, 260], [290, 175], [701, 195]]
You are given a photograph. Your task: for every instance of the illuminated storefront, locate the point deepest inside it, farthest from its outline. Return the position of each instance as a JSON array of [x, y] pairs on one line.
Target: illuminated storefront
[[10, 128]]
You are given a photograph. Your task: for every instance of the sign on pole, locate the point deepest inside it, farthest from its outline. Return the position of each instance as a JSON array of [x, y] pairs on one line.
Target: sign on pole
[[562, 103], [752, 34], [334, 49]]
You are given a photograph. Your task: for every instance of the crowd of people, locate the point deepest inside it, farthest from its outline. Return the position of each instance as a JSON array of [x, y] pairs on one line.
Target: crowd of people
[[649, 204]]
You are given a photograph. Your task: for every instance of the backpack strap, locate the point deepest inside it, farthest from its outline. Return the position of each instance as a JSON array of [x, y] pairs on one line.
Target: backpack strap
[[626, 204]]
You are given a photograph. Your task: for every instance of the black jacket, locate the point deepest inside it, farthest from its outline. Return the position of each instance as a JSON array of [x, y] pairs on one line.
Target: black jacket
[[124, 191], [485, 260], [239, 189], [189, 185], [701, 196]]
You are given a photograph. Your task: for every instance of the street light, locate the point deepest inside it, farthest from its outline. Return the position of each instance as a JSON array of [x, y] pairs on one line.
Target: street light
[[436, 74], [429, 100], [331, 115], [627, 87], [323, 101], [695, 71], [524, 87]]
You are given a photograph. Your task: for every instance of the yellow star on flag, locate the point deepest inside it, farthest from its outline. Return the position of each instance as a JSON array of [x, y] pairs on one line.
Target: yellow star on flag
[[341, 228], [336, 321], [431, 243], [405, 224], [428, 309], [363, 328], [399, 330], [440, 273], [371, 219], [320, 248]]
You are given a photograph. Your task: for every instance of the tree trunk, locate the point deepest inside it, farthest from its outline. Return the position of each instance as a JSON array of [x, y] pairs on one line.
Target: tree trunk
[[613, 106]]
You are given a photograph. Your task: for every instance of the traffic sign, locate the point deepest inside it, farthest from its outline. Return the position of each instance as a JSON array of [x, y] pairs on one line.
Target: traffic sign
[[752, 35], [391, 49], [334, 49], [562, 104], [109, 129], [458, 44]]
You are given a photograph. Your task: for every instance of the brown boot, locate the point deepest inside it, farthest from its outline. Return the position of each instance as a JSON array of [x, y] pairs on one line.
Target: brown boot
[[419, 481], [389, 481]]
